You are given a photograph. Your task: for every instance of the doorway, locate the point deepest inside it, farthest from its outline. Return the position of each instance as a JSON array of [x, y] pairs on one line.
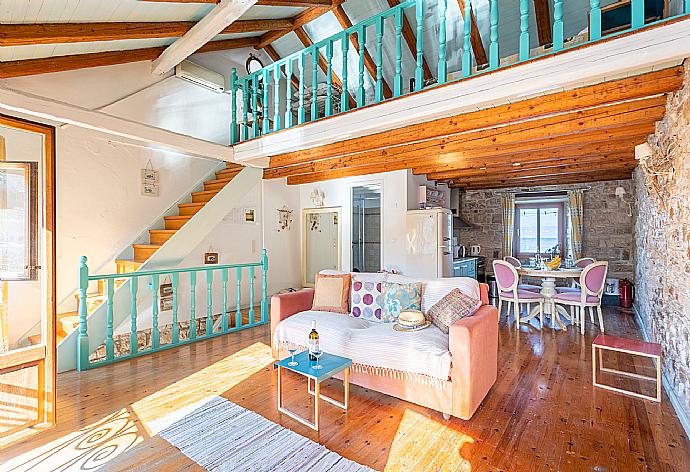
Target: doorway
[[366, 228], [321, 242], [27, 278]]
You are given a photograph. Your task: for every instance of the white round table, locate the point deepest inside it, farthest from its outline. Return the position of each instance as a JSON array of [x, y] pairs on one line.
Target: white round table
[[548, 290]]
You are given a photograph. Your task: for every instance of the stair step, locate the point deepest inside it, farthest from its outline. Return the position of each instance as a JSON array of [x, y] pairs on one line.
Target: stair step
[[160, 236], [175, 222], [35, 339], [190, 209], [203, 197], [233, 165], [125, 266], [118, 282], [217, 184], [143, 251], [66, 323], [227, 173]]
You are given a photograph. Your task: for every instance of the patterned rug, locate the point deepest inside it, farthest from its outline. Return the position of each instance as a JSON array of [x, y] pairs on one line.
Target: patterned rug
[[222, 436]]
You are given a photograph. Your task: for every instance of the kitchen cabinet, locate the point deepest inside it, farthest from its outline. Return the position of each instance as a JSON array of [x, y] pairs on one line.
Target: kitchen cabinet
[[473, 267]]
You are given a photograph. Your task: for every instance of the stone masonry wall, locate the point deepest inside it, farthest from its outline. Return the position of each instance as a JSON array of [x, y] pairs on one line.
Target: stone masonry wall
[[608, 225], [662, 243]]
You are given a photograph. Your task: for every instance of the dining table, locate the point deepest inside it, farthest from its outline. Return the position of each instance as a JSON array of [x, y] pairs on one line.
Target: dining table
[[548, 290]]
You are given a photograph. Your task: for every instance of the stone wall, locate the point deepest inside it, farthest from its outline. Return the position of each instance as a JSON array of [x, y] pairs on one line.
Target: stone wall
[[662, 243], [608, 225]]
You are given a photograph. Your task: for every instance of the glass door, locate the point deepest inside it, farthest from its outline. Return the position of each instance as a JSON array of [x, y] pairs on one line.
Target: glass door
[[366, 228], [27, 282]]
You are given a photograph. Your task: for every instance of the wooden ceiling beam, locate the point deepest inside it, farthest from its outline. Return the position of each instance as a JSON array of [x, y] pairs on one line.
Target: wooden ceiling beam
[[268, 3], [369, 63], [52, 33], [46, 65], [543, 15], [411, 40], [581, 178], [649, 84], [475, 37], [310, 14]]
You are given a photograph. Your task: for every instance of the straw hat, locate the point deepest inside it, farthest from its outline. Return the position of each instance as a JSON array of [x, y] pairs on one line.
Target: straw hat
[[411, 320]]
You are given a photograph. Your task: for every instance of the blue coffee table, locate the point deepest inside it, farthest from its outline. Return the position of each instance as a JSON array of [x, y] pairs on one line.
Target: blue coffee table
[[331, 365]]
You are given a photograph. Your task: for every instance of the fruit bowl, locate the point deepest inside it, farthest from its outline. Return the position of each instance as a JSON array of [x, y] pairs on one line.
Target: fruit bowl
[[554, 263]]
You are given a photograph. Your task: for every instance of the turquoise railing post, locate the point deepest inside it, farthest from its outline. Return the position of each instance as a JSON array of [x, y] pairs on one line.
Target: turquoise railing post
[[155, 335], [687, 6], [637, 11], [192, 305], [276, 98], [301, 113], [238, 298], [344, 96], [594, 20], [288, 94], [175, 326], [419, 71], [524, 29], [361, 38], [83, 338], [264, 287], [245, 108], [255, 106], [467, 44], [224, 316], [329, 78], [233, 107], [109, 343], [209, 302], [557, 25], [442, 65], [378, 91], [397, 80], [133, 338], [494, 57], [251, 295], [264, 105], [314, 83]]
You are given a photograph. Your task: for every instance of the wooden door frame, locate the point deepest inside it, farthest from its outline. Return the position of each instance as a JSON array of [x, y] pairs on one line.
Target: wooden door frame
[[43, 356]]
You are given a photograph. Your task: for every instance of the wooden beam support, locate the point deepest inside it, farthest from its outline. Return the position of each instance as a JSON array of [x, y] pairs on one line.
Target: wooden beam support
[[323, 64], [644, 85], [411, 40], [475, 37], [310, 14], [369, 63], [51, 33], [552, 180], [82, 61], [222, 15], [544, 25]]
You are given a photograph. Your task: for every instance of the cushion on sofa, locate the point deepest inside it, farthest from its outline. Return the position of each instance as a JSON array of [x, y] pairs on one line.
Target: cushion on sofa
[[332, 293], [366, 296], [454, 306], [435, 289], [399, 297]]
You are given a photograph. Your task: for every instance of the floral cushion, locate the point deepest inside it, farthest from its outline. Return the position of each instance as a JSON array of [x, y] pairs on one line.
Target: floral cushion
[[399, 297], [451, 308], [366, 298]]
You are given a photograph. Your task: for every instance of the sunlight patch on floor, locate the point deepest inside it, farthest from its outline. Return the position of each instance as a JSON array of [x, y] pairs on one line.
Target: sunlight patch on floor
[[422, 443]]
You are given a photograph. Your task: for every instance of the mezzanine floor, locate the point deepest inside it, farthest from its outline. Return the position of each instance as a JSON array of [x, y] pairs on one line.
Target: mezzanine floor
[[542, 414]]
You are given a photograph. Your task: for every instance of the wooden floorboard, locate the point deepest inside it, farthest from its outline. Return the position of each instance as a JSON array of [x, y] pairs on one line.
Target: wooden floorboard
[[542, 414]]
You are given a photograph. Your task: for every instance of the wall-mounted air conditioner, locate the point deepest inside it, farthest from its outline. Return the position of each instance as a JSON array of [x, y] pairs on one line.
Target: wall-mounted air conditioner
[[196, 74]]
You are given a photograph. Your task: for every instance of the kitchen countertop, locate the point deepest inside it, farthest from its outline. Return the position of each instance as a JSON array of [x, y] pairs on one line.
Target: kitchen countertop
[[467, 258]]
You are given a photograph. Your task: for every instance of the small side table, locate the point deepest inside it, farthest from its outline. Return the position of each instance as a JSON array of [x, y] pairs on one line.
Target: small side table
[[331, 365], [604, 342]]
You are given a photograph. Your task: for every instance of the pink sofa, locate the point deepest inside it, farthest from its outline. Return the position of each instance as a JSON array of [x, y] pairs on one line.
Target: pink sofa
[[473, 345]]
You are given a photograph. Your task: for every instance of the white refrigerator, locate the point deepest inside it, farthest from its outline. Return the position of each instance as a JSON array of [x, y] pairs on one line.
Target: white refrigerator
[[429, 239]]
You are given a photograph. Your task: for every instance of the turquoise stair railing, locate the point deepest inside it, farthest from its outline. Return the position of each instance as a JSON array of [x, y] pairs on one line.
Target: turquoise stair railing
[[276, 109], [219, 318]]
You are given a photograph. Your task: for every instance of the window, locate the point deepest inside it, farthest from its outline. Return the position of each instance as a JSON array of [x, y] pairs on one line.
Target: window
[[538, 228], [18, 207]]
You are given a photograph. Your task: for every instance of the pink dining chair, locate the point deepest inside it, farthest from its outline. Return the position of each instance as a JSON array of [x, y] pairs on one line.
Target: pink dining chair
[[515, 262], [592, 283], [574, 285], [584, 262], [507, 280]]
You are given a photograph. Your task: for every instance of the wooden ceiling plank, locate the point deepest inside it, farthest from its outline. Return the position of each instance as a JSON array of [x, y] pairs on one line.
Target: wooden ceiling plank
[[369, 63], [411, 40], [543, 15], [46, 65], [223, 14], [564, 180], [475, 37], [663, 81]]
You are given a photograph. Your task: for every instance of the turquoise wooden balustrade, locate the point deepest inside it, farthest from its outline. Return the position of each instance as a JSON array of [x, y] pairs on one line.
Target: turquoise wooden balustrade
[[270, 113], [151, 279]]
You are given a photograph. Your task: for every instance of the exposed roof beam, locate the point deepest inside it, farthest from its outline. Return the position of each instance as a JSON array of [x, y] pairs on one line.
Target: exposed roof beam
[[298, 21], [475, 36], [222, 15], [541, 11], [578, 178], [411, 40], [369, 63], [323, 64], [268, 3], [82, 61], [50, 33]]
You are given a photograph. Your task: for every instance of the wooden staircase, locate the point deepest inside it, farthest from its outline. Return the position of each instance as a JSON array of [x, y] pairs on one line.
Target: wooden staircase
[[68, 322]]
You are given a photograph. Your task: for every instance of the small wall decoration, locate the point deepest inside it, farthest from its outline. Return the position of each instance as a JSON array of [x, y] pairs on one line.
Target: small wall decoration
[[165, 296], [149, 181], [249, 215], [314, 219], [211, 258], [317, 197], [284, 218]]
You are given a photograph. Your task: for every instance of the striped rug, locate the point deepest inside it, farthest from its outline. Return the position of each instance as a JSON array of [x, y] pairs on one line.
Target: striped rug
[[222, 436]]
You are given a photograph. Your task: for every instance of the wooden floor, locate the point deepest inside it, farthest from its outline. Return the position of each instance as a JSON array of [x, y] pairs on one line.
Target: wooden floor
[[542, 414]]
